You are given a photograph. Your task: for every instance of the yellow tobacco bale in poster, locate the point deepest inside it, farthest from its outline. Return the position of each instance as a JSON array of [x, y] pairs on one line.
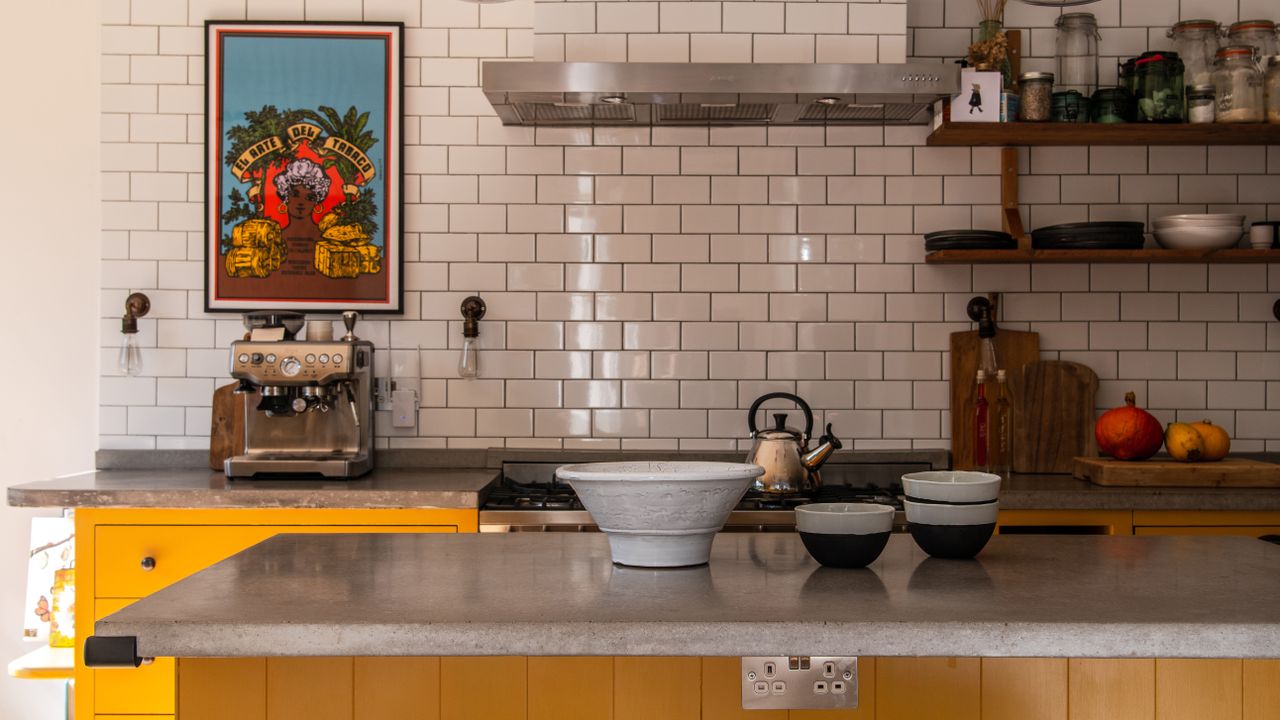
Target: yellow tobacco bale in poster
[[329, 220], [350, 234], [337, 260], [252, 262], [256, 234]]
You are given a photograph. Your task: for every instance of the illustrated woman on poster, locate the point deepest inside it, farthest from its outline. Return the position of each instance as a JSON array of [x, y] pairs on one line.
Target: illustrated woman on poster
[[302, 188]]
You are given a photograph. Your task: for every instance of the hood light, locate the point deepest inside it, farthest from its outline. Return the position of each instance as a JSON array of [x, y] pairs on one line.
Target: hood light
[[613, 99], [828, 101]]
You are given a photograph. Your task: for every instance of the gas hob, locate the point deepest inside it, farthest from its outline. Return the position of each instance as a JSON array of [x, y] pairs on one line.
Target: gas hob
[[529, 498]]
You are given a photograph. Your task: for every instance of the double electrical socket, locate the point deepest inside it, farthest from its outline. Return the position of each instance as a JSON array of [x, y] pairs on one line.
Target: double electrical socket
[[799, 682]]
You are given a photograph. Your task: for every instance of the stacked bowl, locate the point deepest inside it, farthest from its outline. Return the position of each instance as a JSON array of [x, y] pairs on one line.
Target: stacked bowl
[[1199, 231], [951, 513], [844, 535]]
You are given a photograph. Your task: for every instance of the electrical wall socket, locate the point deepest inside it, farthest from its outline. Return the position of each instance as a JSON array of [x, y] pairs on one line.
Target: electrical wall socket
[[799, 682]]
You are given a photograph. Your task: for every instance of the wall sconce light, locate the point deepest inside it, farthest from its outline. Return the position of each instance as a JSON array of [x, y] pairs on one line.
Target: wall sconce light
[[469, 360], [130, 360]]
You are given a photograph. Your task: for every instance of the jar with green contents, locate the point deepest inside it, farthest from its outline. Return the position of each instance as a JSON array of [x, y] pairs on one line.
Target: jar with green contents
[[1070, 106], [1129, 76], [1160, 88], [1111, 105]]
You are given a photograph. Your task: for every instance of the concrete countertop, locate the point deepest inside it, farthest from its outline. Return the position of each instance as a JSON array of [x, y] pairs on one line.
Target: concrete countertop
[[190, 488], [558, 594]]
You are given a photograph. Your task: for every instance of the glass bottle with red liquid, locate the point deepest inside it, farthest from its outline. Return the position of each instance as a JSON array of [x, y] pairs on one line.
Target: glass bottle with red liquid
[[981, 427]]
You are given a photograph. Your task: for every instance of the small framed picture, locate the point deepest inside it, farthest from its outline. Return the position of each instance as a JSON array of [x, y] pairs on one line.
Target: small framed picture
[[979, 97], [304, 166]]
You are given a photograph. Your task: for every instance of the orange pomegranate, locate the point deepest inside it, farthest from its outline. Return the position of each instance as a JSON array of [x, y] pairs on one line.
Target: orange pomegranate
[[1128, 432]]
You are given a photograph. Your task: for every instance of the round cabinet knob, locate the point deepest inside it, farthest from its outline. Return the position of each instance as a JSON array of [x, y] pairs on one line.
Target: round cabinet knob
[[148, 564], [290, 366]]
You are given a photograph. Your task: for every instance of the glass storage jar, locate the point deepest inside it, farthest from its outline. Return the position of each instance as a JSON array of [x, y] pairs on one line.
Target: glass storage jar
[[1035, 100], [1196, 42], [1077, 52], [1237, 81], [1201, 106], [1160, 89], [1271, 89], [1070, 106], [1111, 105], [1129, 76], [1261, 34]]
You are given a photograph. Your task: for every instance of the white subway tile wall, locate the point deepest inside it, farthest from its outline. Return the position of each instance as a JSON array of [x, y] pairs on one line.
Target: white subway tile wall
[[645, 285]]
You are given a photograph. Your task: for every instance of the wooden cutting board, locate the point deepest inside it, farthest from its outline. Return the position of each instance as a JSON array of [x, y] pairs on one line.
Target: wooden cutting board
[[1014, 349], [1053, 416], [1231, 472], [226, 434]]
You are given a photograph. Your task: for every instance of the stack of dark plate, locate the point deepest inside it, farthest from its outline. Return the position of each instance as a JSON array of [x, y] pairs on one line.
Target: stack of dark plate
[[1090, 236], [969, 240]]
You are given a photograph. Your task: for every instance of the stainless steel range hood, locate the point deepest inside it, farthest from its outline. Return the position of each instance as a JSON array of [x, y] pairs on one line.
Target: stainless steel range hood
[[636, 93]]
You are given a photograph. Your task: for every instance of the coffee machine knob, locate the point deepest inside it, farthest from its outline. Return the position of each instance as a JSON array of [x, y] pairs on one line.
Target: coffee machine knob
[[290, 366]]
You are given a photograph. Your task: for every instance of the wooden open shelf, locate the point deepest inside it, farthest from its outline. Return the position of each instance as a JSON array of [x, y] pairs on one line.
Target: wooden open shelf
[[1021, 134], [1233, 255]]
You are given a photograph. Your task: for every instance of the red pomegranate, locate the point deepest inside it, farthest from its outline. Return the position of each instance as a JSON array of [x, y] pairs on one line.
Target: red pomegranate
[[1128, 432]]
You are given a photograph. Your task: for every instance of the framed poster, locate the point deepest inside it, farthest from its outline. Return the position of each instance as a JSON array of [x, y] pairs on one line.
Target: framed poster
[[303, 166]]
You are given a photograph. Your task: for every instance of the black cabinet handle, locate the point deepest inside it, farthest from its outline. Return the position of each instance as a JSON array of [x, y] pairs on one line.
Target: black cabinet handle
[[148, 564], [111, 652]]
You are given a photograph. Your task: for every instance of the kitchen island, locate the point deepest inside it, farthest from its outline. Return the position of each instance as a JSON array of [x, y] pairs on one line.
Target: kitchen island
[[1034, 627]]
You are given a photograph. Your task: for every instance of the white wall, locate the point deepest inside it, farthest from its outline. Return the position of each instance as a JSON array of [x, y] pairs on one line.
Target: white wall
[[645, 285], [49, 202]]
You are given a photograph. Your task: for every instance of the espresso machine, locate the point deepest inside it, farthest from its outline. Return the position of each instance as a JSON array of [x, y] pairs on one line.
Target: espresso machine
[[309, 410]]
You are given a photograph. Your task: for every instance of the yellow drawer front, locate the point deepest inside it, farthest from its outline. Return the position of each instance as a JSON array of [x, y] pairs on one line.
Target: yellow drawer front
[[122, 691], [132, 717], [1247, 530], [177, 551]]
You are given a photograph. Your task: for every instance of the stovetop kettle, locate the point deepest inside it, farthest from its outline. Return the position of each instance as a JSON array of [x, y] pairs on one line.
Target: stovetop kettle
[[790, 467]]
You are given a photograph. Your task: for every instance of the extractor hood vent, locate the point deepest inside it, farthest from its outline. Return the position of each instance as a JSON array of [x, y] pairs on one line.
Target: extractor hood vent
[[715, 114], [582, 93]]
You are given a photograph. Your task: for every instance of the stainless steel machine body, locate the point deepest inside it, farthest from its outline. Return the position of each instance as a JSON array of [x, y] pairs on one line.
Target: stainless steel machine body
[[311, 407]]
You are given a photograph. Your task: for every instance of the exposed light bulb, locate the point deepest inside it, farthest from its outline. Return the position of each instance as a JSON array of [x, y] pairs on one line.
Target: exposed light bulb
[[469, 359], [130, 359]]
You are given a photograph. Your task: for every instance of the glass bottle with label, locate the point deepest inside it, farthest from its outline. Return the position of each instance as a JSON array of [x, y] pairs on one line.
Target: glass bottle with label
[[981, 428], [1002, 429]]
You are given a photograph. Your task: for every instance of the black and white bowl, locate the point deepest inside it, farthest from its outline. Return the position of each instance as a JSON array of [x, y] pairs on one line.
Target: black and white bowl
[[844, 535], [951, 531], [951, 486]]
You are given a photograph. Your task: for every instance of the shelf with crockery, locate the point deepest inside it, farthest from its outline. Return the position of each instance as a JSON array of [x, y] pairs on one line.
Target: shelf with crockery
[[1145, 255], [1027, 134]]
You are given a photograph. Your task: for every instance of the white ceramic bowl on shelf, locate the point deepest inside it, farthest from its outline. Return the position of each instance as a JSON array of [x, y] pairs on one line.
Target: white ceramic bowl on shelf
[[1200, 219], [660, 513], [1199, 238]]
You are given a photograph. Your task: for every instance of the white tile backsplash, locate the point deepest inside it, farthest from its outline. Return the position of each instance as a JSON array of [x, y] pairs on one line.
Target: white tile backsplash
[[646, 284]]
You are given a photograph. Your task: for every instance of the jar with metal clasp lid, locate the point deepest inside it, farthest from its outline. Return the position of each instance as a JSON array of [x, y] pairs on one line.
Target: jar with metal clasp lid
[[1260, 34], [1237, 82], [1111, 105], [1160, 88], [1076, 49], [1070, 106], [1196, 42]]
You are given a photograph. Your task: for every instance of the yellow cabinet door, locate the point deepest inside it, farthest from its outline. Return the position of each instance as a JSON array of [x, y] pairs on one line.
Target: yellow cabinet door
[[645, 688], [570, 688], [1199, 689], [928, 688], [1105, 689], [1022, 688], [133, 561], [144, 690]]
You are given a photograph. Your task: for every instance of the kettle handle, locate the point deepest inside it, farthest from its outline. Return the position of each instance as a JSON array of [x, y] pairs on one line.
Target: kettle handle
[[804, 407]]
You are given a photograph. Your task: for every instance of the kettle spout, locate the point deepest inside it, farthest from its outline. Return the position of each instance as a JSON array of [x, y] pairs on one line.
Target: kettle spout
[[827, 444]]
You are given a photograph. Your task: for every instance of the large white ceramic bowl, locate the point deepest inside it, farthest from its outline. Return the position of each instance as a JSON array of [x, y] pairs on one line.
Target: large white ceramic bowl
[[660, 513], [951, 486], [1200, 219], [1199, 238]]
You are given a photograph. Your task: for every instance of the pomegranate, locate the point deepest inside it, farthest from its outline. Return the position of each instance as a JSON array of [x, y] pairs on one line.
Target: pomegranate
[[1128, 432]]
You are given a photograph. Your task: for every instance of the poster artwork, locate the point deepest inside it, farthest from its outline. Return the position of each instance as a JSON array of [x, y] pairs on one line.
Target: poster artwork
[[303, 167]]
